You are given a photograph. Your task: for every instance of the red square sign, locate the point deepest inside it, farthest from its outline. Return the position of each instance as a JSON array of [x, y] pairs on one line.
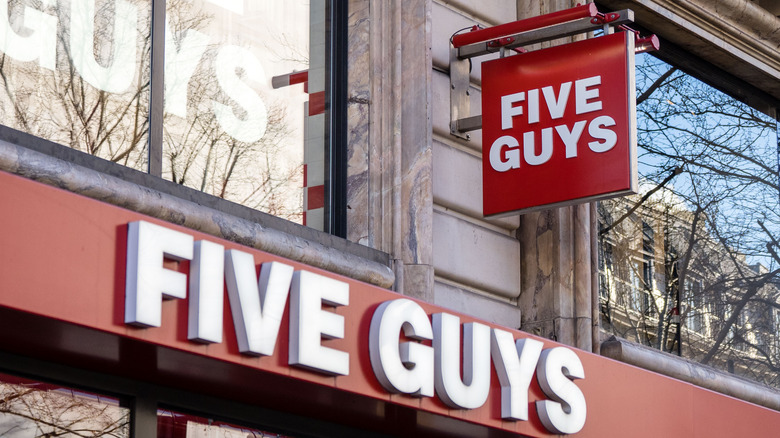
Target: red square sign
[[559, 125]]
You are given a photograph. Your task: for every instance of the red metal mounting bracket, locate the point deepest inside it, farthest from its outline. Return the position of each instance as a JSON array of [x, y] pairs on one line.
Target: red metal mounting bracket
[[607, 18]]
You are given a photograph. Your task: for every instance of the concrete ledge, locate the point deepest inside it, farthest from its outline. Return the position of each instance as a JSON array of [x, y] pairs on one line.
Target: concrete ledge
[[691, 372], [107, 188], [475, 256]]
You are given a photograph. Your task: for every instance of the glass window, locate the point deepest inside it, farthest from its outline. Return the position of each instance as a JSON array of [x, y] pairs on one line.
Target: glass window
[[245, 103], [605, 271], [238, 108], [172, 424], [77, 73], [30, 408], [695, 307]]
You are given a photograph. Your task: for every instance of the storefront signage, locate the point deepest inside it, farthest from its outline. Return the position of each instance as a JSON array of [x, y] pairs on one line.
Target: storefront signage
[[257, 305], [559, 125], [66, 292], [416, 369]]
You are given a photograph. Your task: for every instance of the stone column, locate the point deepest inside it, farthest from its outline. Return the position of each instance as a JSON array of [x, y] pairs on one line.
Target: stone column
[[390, 193]]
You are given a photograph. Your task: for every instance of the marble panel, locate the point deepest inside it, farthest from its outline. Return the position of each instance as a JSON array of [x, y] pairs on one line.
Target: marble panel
[[416, 133], [476, 256], [359, 98], [446, 22], [457, 184], [478, 306], [493, 12]]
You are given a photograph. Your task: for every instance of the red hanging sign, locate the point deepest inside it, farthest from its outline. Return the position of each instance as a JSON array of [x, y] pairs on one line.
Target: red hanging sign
[[559, 125]]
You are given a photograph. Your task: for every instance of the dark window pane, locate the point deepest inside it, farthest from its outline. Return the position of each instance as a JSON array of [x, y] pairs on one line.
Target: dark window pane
[[30, 408], [172, 424]]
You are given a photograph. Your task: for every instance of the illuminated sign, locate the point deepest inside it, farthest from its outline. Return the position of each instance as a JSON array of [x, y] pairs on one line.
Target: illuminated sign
[[257, 304], [559, 125]]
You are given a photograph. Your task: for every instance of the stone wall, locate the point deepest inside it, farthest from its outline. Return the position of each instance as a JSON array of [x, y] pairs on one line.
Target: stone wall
[[415, 189]]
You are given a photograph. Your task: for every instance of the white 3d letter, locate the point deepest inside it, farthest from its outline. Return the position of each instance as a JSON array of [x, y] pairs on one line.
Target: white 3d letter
[[309, 323], [257, 305], [207, 284], [515, 363], [147, 281], [566, 412], [402, 367], [472, 391]]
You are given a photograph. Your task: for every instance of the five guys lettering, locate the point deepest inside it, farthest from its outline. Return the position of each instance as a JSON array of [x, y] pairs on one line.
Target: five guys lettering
[[558, 126]]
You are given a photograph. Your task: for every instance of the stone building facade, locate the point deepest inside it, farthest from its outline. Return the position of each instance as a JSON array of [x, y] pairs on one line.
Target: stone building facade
[[536, 272], [414, 222]]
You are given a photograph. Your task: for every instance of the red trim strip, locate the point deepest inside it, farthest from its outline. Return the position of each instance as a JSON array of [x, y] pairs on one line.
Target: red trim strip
[[299, 77]]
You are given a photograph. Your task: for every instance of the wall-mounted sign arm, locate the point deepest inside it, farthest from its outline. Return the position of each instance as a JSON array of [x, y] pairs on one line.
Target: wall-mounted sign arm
[[515, 35], [468, 124], [491, 33], [460, 107], [534, 36]]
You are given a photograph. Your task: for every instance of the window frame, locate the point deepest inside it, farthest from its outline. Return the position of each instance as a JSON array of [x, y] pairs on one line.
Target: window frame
[[337, 75], [143, 400], [336, 134]]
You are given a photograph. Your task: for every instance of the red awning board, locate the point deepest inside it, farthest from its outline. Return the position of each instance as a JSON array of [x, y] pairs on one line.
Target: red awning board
[[62, 295]]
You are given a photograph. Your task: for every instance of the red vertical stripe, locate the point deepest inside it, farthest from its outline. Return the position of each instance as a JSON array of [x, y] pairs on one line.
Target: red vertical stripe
[[316, 103], [315, 198]]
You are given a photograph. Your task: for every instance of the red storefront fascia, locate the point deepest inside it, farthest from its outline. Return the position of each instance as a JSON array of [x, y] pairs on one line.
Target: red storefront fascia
[[63, 272]]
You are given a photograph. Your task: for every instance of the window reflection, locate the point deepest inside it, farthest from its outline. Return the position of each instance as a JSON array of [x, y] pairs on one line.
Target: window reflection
[[708, 167], [77, 73], [34, 409], [228, 130], [245, 105]]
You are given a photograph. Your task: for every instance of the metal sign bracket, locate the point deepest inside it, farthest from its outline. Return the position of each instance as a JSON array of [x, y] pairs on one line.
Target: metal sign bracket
[[510, 37]]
